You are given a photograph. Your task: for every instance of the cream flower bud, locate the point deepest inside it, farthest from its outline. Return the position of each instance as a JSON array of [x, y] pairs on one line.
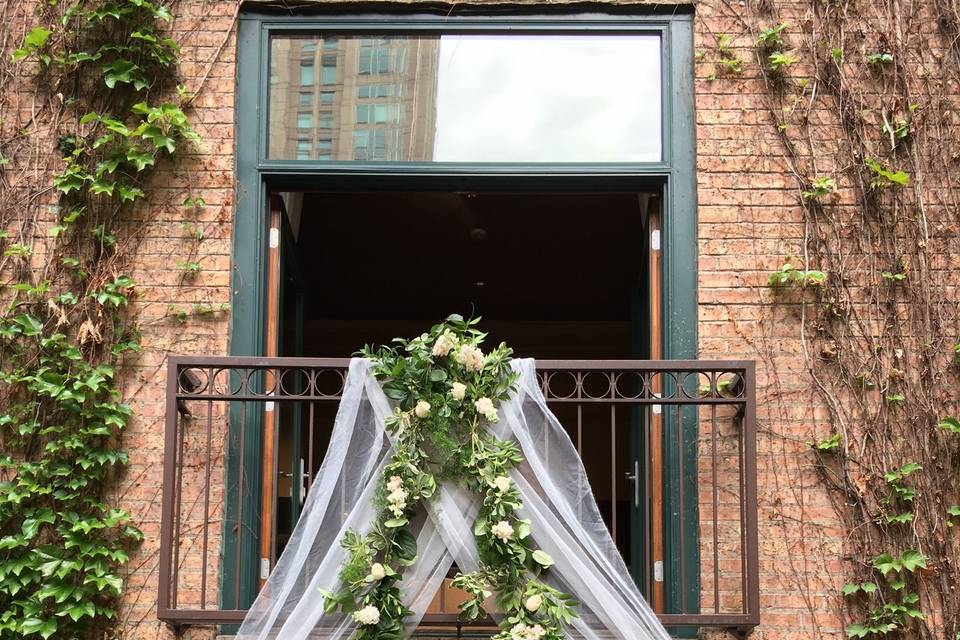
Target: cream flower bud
[[369, 615], [444, 344], [423, 409], [484, 407], [470, 357], [502, 483], [377, 572], [502, 530], [533, 603], [458, 390]]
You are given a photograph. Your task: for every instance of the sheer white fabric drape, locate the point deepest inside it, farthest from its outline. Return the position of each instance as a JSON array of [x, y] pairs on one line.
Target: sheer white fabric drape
[[557, 499]]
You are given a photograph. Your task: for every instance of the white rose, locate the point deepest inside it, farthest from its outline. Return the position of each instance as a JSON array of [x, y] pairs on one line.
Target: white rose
[[369, 615], [536, 631], [395, 483], [458, 390], [470, 357], [423, 409], [533, 603], [502, 530], [377, 572], [444, 344], [484, 406], [502, 483]]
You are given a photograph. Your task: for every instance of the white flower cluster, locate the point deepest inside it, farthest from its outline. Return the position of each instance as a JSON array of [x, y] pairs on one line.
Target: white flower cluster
[[458, 390], [470, 357], [422, 409], [485, 408], [444, 344], [397, 496], [502, 530], [502, 483], [523, 632], [369, 615]]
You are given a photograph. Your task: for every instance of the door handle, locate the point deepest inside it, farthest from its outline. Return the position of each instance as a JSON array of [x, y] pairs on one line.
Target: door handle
[[634, 479]]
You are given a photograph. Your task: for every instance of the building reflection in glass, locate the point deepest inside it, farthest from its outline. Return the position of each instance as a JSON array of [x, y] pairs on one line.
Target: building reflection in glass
[[466, 98]]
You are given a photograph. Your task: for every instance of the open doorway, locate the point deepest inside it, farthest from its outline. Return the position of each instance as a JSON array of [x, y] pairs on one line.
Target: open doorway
[[555, 275], [558, 276]]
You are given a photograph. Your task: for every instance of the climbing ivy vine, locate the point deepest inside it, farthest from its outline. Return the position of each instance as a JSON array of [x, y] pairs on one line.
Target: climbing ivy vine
[[861, 98], [104, 71]]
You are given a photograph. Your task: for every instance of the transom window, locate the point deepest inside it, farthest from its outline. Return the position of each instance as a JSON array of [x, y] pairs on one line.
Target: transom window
[[510, 97]]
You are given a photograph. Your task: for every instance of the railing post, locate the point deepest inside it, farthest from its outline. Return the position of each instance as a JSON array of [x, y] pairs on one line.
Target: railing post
[[752, 595], [170, 462]]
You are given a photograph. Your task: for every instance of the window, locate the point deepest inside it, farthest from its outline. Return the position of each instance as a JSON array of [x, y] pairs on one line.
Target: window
[[328, 72], [374, 57], [306, 74], [326, 97], [303, 149], [540, 87], [325, 121], [376, 113], [366, 91], [305, 120], [306, 97], [581, 97], [370, 144]]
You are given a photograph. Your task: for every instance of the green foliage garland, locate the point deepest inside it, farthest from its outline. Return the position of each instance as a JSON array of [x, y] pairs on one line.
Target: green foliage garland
[[446, 390], [65, 324]]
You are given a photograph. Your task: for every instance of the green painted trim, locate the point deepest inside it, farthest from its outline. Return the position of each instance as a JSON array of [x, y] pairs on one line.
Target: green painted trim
[[680, 309], [246, 329], [675, 175]]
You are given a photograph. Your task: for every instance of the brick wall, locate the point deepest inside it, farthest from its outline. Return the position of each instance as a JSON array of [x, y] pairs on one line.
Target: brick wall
[[748, 222]]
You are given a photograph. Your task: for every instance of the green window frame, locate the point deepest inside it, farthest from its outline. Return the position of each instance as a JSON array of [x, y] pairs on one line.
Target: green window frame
[[673, 175]]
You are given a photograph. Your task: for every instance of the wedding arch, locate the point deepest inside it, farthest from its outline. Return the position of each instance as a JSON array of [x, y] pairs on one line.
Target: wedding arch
[[441, 454]]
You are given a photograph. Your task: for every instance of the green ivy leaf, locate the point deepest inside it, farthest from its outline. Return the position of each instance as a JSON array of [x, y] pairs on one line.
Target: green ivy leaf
[[78, 611], [29, 325], [124, 72], [885, 563], [950, 424], [913, 560], [45, 628], [34, 40]]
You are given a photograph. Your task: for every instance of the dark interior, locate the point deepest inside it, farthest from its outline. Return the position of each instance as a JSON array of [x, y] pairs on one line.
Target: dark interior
[[555, 275]]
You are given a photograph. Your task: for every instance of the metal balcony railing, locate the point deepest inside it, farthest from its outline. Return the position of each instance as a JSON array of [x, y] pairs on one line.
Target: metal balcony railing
[[669, 446]]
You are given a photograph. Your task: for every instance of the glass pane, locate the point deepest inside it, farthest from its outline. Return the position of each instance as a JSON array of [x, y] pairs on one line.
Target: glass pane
[[468, 98]]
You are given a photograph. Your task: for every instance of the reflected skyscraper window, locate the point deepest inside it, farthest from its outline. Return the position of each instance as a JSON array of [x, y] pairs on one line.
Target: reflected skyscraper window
[[466, 98]]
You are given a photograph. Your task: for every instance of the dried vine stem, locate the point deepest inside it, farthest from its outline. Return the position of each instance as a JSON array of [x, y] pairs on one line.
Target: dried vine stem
[[866, 108]]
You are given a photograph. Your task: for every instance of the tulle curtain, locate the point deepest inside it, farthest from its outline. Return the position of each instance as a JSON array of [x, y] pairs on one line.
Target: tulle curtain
[[565, 523]]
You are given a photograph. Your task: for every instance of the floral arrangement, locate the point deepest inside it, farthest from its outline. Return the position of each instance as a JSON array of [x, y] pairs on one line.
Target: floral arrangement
[[447, 392]]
